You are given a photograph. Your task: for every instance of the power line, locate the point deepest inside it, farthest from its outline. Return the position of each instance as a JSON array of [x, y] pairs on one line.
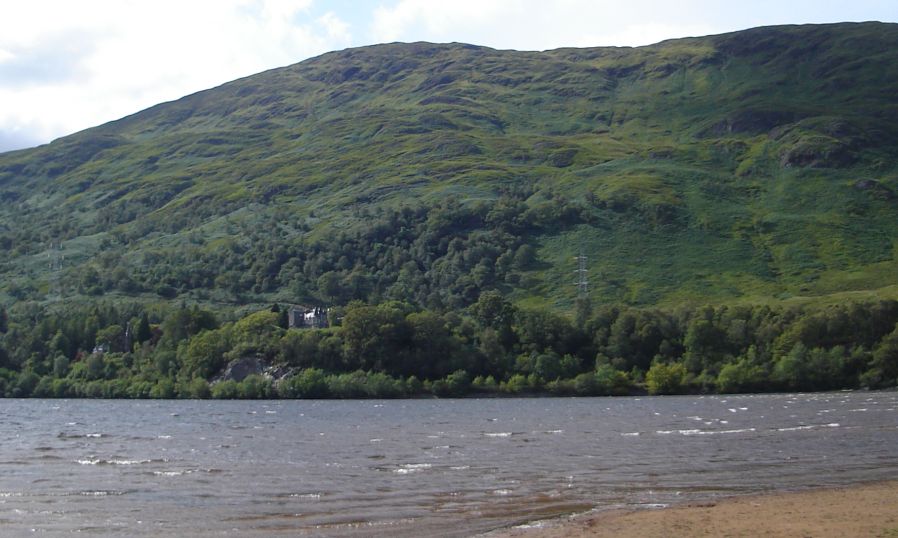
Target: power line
[[582, 280]]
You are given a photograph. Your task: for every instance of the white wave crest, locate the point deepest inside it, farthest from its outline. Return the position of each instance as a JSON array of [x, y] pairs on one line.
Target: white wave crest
[[310, 496], [96, 461], [171, 473], [808, 427], [409, 468], [704, 432]]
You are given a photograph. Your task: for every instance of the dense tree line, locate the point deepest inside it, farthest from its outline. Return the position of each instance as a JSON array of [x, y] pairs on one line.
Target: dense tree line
[[395, 349], [441, 255]]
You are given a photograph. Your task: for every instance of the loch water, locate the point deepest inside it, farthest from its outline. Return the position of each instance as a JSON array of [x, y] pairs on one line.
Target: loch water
[[415, 467]]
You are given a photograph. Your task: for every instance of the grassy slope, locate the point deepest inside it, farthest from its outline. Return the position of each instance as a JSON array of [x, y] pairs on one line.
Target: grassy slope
[[716, 169]]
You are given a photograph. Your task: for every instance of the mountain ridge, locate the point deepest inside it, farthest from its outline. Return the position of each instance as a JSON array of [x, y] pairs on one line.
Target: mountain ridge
[[754, 165]]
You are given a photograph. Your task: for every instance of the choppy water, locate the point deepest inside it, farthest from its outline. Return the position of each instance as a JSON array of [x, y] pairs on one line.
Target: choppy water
[[414, 467]]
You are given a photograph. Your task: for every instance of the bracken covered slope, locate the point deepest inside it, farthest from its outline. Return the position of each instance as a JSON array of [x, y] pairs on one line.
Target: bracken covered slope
[[751, 166]]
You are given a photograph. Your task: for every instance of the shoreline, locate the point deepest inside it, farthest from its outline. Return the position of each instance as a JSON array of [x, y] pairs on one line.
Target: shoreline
[[859, 510]]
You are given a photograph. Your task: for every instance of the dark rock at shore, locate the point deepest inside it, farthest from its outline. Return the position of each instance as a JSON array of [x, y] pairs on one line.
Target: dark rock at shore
[[240, 369]]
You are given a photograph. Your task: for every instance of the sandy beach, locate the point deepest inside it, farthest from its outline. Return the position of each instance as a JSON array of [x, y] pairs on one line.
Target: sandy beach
[[869, 510]]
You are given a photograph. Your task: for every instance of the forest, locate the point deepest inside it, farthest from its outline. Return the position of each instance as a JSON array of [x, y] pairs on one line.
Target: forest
[[738, 220], [440, 254], [394, 349], [418, 304]]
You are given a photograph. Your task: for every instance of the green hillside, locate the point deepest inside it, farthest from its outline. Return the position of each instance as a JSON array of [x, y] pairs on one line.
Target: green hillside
[[749, 167]]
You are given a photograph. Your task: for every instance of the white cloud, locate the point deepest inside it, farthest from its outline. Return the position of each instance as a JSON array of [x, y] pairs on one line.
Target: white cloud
[[541, 24], [535, 25], [66, 66], [637, 35], [335, 28], [439, 19]]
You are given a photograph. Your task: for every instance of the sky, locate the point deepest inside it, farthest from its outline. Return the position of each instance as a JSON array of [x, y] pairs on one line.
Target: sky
[[69, 65]]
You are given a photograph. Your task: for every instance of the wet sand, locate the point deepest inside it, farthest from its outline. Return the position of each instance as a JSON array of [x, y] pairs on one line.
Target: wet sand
[[869, 510]]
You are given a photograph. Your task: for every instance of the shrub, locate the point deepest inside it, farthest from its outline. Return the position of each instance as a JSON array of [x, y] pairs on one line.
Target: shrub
[[349, 385], [516, 384], [163, 389], [740, 376], [25, 385], [485, 384], [254, 387], [196, 388], [611, 381], [225, 390], [665, 378], [309, 383]]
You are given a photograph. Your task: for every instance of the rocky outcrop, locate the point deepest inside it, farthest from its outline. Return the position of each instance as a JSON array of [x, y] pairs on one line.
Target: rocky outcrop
[[239, 369], [750, 122], [818, 153], [875, 188]]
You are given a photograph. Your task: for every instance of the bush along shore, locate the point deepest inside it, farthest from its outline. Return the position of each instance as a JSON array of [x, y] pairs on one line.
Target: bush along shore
[[395, 350]]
